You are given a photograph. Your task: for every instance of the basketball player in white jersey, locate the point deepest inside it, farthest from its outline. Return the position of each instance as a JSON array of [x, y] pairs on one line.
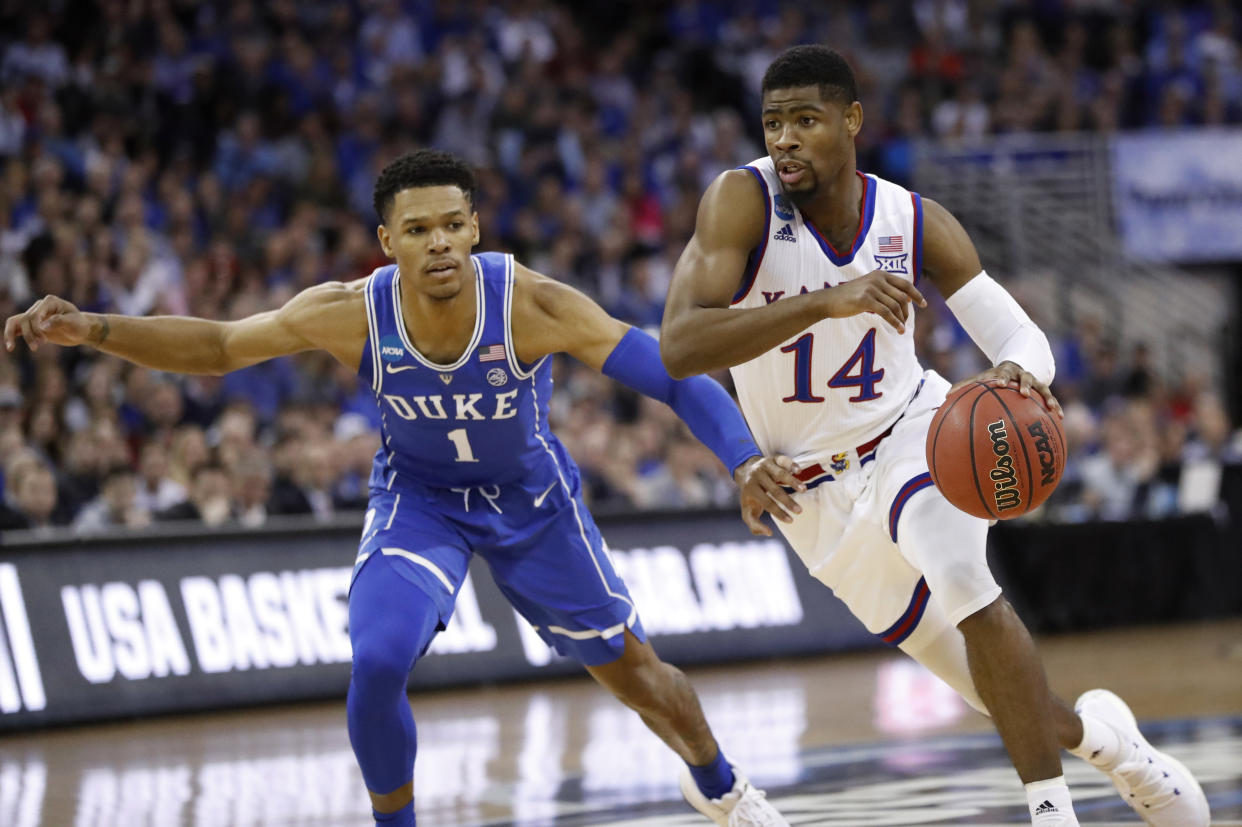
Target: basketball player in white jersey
[[801, 278]]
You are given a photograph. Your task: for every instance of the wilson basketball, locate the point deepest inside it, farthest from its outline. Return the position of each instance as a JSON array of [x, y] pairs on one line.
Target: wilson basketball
[[995, 453]]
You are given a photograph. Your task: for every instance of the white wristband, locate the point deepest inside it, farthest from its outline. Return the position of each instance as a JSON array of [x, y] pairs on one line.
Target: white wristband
[[1001, 328]]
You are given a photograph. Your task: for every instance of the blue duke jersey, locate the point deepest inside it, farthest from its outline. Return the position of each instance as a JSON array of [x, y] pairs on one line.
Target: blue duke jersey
[[468, 466], [482, 420], [840, 382]]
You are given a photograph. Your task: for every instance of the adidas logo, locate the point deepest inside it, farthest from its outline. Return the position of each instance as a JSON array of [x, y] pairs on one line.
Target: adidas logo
[[1045, 808], [786, 233]]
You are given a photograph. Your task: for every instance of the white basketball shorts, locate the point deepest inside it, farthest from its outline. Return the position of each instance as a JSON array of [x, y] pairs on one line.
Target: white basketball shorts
[[860, 534]]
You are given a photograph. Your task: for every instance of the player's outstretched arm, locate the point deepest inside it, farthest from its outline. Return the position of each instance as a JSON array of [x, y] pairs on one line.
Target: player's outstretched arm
[[550, 317], [319, 317], [700, 333], [998, 325]]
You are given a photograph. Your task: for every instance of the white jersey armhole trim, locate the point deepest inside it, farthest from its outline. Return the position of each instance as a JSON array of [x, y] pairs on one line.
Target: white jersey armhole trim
[[377, 373], [510, 351]]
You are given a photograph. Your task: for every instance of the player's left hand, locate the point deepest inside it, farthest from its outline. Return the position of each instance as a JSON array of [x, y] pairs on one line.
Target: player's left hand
[[1011, 373], [762, 482]]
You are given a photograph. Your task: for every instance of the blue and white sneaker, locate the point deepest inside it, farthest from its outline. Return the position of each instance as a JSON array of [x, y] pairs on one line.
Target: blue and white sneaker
[[1156, 786], [743, 806]]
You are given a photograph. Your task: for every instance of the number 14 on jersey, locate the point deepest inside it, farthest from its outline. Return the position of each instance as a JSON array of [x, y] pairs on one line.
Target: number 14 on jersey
[[857, 372]]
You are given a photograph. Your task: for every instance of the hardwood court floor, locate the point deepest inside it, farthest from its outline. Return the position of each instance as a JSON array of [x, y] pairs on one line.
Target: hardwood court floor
[[859, 739]]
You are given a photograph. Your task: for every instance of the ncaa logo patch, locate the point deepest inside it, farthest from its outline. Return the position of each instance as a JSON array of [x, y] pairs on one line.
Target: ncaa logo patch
[[391, 349], [782, 207], [497, 377]]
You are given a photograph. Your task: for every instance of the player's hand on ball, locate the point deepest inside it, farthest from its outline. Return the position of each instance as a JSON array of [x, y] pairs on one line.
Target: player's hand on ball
[[1011, 373], [879, 292], [762, 482], [49, 320]]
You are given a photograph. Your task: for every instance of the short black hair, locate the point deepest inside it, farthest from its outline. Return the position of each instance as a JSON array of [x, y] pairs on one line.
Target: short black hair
[[421, 168], [813, 65]]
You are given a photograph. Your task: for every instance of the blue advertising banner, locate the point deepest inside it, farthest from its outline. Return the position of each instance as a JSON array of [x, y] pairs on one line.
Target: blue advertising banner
[[1179, 194], [160, 622]]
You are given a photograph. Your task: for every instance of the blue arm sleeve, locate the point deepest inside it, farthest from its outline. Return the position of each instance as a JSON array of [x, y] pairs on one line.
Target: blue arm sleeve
[[700, 401]]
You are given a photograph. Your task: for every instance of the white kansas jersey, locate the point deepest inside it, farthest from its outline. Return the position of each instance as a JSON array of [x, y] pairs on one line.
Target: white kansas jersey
[[840, 382]]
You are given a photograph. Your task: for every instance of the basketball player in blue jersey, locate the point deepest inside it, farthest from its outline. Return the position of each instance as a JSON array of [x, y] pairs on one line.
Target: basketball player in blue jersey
[[801, 277], [456, 349]]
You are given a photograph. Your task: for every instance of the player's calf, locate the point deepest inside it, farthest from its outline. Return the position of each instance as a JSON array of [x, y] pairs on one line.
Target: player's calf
[[663, 697]]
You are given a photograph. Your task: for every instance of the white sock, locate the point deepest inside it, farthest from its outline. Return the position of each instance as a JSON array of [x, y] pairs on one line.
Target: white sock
[[1101, 745], [1049, 803]]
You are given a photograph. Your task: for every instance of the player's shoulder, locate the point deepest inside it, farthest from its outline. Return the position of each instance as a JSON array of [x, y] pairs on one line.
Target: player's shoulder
[[938, 221], [536, 294], [335, 292], [740, 187], [331, 306], [732, 211]]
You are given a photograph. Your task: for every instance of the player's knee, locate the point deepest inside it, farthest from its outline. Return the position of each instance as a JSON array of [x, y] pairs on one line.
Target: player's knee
[[959, 578], [994, 614], [378, 668]]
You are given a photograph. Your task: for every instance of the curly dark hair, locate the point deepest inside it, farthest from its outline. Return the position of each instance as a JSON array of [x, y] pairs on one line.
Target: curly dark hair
[[813, 65], [421, 168]]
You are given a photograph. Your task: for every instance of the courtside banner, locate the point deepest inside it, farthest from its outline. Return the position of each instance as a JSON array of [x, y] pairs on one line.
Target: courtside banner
[[1179, 194], [163, 621]]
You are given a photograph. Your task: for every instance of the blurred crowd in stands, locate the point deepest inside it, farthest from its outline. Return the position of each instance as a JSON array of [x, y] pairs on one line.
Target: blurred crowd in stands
[[213, 158]]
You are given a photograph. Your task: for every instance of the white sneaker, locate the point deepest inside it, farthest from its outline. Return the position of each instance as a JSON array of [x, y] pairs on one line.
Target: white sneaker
[[743, 806], [1156, 786]]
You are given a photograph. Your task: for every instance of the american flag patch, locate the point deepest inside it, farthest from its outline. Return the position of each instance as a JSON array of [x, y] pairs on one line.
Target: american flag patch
[[492, 353], [890, 244]]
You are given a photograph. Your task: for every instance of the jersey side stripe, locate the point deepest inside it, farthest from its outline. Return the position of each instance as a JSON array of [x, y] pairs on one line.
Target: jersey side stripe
[[917, 264], [560, 475]]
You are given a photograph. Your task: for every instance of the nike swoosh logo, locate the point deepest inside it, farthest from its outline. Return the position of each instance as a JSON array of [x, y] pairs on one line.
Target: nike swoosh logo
[[395, 369], [539, 500]]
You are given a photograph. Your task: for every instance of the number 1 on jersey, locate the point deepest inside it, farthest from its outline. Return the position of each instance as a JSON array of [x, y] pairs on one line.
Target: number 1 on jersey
[[462, 444], [863, 359], [801, 349]]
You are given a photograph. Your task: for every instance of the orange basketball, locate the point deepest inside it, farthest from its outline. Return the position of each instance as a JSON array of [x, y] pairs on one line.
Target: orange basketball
[[995, 453]]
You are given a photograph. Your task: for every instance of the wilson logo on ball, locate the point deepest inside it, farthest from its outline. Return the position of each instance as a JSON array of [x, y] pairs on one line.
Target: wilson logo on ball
[[1003, 477]]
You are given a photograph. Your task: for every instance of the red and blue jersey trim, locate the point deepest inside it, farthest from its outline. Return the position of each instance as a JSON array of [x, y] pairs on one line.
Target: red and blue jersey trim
[[909, 620], [756, 255], [864, 226], [912, 487], [917, 265]]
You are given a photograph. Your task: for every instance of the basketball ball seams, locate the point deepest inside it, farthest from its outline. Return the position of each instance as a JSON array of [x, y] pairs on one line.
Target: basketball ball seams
[[1026, 454], [974, 473], [990, 421], [943, 417]]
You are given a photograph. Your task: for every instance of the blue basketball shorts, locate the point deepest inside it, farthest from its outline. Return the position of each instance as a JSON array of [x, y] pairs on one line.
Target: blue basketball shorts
[[537, 537]]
